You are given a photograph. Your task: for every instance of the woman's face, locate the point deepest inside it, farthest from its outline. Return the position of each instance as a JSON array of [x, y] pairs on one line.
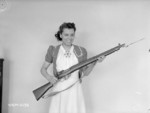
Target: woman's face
[[67, 36]]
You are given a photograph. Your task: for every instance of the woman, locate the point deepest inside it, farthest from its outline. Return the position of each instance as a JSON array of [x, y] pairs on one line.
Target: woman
[[63, 56]]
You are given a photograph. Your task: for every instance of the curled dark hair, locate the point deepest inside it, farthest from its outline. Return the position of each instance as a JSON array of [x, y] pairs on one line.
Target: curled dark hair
[[68, 25]]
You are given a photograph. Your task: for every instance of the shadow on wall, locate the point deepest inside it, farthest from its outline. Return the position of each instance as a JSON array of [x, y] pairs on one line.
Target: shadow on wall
[[6, 81]]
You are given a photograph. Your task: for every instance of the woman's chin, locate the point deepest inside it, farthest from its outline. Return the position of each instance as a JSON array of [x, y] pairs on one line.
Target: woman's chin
[[68, 44]]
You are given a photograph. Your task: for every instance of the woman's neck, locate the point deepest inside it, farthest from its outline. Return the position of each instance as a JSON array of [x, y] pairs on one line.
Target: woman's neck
[[66, 47]]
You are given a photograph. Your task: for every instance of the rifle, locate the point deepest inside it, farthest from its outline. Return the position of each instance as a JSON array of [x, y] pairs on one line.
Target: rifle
[[39, 92]]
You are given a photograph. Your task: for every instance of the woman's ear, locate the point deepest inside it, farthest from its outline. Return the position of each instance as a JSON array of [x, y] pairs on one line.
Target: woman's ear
[[61, 36]]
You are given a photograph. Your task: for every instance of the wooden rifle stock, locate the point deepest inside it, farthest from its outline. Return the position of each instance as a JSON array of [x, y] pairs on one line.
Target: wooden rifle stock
[[39, 92]]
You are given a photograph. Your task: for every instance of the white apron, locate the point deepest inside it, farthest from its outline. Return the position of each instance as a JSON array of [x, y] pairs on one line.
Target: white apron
[[70, 100]]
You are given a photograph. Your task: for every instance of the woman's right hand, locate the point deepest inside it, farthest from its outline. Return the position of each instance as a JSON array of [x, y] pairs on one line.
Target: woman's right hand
[[52, 79]]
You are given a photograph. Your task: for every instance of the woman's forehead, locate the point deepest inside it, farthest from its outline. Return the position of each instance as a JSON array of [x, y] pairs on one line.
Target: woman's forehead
[[68, 30]]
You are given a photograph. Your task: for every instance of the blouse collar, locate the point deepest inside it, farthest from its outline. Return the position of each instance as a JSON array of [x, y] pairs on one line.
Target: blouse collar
[[71, 48]]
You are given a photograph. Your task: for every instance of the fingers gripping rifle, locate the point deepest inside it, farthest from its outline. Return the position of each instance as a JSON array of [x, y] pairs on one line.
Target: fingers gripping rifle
[[39, 92]]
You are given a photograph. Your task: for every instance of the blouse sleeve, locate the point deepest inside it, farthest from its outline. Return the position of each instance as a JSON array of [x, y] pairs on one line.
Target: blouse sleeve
[[84, 54], [83, 59], [49, 54]]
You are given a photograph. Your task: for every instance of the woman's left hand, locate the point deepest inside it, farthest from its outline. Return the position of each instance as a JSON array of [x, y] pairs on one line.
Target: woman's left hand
[[101, 58]]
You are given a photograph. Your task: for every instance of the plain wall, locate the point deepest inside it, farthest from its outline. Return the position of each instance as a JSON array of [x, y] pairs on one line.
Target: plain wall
[[120, 84]]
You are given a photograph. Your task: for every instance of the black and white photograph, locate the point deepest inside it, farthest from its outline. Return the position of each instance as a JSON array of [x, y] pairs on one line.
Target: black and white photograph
[[75, 56]]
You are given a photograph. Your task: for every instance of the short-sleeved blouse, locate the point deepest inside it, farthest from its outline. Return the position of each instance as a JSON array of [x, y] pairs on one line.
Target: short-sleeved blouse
[[52, 52]]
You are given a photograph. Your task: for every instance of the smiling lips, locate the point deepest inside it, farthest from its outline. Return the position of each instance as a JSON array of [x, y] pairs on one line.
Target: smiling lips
[[69, 41]]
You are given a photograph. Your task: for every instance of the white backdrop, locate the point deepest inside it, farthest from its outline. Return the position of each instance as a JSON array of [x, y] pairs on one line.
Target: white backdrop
[[120, 84]]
